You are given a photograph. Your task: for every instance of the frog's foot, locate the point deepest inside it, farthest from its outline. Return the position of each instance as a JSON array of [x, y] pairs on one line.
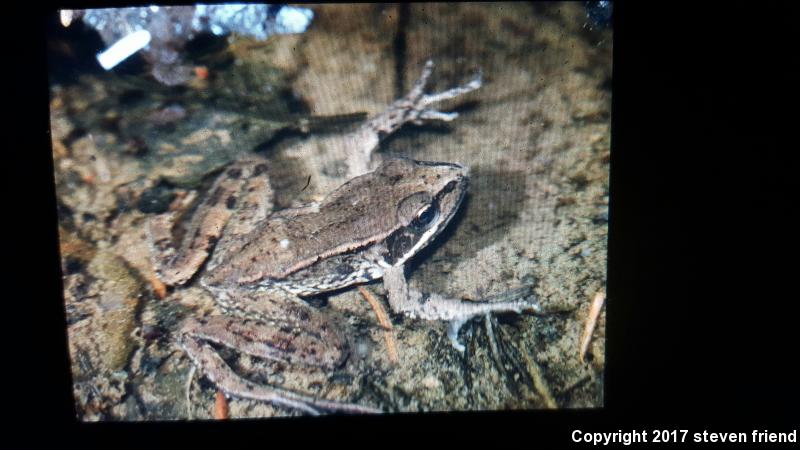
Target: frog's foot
[[435, 307], [515, 300], [261, 341], [415, 106]]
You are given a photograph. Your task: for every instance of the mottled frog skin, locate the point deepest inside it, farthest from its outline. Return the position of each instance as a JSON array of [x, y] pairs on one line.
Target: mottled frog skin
[[264, 262], [372, 222]]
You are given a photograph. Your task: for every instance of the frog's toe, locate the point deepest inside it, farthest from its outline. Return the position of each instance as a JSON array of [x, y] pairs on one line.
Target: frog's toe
[[433, 114], [452, 333]]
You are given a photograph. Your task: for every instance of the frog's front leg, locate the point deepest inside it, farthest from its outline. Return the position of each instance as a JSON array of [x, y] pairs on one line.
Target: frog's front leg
[[415, 304], [302, 336], [239, 198], [415, 107]]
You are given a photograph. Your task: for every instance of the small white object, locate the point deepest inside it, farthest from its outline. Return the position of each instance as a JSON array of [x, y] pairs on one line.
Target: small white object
[[217, 30], [123, 48], [291, 19], [284, 243], [66, 17]]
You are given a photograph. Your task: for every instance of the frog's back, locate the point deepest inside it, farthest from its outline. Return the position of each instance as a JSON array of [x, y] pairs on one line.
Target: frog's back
[[359, 214], [286, 243]]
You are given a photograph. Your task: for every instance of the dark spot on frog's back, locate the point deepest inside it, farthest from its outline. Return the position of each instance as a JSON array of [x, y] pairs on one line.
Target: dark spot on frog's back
[[284, 344], [259, 169], [214, 196], [230, 202], [235, 173]]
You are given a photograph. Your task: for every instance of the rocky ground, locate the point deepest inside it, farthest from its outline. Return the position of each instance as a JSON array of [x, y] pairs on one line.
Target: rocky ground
[[536, 137]]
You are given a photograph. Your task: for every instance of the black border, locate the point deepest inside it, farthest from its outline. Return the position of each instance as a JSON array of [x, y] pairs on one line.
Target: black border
[[701, 312]]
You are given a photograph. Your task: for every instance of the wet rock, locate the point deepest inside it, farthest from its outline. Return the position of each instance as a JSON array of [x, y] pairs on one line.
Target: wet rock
[[118, 299]]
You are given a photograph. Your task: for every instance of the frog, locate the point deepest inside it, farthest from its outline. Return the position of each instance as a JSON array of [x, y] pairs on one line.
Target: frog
[[261, 265]]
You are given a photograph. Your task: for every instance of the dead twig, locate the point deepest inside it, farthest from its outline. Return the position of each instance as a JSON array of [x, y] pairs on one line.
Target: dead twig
[[220, 406], [575, 384], [385, 323], [487, 322], [539, 382], [159, 288], [188, 390], [591, 322]]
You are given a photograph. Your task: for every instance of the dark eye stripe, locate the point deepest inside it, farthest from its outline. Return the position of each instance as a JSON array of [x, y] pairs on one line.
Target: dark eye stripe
[[447, 188]]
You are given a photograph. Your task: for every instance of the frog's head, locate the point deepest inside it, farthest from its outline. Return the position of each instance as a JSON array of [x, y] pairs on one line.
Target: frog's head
[[427, 196], [402, 205]]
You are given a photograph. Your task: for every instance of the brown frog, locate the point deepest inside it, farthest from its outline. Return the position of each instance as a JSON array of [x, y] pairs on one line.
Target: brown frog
[[264, 263]]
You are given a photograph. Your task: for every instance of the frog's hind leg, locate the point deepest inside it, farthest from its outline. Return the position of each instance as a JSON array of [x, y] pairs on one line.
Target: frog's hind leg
[[238, 198], [268, 342]]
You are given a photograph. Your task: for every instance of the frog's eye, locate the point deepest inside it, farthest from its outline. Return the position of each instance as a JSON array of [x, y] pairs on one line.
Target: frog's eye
[[425, 217], [417, 211]]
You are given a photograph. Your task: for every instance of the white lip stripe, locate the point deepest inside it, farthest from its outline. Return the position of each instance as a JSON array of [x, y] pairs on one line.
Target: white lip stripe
[[123, 48], [421, 242]]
